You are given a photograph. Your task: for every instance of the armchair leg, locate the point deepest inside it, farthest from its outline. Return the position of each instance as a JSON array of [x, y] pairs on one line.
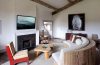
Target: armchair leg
[[15, 64], [11, 63]]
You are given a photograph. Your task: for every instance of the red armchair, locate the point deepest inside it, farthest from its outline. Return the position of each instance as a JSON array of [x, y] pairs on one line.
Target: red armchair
[[16, 57]]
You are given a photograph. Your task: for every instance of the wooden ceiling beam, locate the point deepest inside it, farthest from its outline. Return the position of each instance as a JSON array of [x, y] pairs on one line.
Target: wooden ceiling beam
[[71, 1], [66, 6], [44, 4]]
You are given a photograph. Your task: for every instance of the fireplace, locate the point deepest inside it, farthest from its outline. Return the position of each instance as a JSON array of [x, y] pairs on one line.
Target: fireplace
[[26, 42]]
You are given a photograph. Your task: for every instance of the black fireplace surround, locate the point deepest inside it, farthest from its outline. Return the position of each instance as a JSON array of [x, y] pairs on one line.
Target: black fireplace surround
[[26, 42]]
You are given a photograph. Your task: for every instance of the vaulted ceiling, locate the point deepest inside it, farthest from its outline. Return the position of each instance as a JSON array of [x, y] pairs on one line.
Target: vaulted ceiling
[[57, 5]]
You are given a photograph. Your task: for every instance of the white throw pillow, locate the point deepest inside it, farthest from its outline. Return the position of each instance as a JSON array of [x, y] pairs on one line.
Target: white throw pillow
[[78, 41]]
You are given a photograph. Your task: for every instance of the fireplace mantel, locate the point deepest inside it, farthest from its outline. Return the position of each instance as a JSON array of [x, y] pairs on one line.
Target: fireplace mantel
[[27, 32]]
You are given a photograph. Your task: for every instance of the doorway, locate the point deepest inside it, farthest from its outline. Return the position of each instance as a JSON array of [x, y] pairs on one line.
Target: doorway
[[47, 27]]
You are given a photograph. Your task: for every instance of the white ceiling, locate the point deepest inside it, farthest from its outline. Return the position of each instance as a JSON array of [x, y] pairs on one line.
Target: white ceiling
[[56, 3]]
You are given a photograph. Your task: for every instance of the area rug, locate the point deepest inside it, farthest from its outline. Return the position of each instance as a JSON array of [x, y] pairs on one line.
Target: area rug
[[40, 60]]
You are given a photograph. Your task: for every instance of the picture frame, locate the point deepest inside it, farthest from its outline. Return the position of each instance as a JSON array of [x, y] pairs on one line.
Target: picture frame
[[76, 22], [25, 22]]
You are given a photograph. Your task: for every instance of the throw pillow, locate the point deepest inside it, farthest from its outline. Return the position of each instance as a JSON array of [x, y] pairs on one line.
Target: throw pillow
[[78, 41], [77, 37], [72, 38]]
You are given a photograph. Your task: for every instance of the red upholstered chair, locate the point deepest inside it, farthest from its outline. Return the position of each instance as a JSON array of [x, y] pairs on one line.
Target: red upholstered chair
[[16, 57]]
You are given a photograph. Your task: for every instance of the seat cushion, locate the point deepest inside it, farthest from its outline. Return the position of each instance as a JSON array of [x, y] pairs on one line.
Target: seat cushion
[[56, 56], [69, 43], [21, 54]]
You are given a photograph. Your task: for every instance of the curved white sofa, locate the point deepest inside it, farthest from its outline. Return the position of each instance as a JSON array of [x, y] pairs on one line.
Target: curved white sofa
[[59, 56], [73, 46]]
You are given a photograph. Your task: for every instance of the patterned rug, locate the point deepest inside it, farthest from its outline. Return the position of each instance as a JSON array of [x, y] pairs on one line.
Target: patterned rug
[[37, 61], [40, 60]]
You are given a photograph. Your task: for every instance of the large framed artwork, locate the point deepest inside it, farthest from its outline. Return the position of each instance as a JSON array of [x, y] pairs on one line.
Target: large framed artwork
[[25, 22], [76, 22]]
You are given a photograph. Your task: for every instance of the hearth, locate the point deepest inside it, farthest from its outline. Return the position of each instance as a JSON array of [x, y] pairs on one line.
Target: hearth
[[26, 42]]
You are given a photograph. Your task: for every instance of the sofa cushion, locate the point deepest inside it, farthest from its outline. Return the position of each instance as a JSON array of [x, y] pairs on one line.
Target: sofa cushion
[[84, 40], [21, 54], [78, 41], [73, 46], [69, 43]]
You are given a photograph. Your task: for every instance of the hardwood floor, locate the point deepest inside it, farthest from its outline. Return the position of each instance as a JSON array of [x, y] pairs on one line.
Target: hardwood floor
[[3, 57]]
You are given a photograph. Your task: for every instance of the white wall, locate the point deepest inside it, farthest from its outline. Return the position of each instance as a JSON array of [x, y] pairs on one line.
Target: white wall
[[43, 13], [7, 22], [26, 8], [92, 18], [8, 11]]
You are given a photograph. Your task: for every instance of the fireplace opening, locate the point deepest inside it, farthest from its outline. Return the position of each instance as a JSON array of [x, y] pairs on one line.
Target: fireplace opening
[[26, 42]]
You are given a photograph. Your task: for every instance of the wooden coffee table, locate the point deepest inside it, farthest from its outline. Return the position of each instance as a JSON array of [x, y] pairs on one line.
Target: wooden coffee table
[[46, 48]]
